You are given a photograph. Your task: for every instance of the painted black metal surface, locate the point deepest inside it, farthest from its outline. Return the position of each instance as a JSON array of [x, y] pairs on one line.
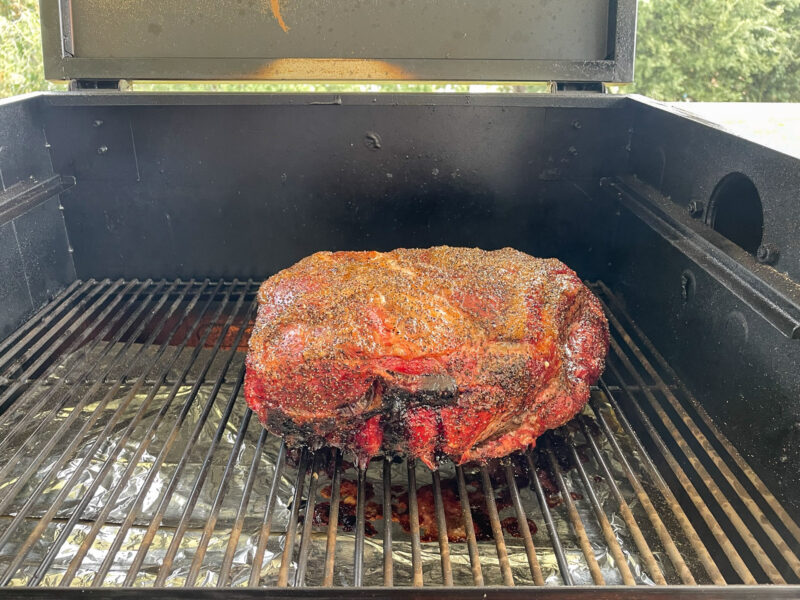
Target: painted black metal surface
[[45, 251], [35, 261], [742, 369], [23, 147], [25, 195], [775, 298], [14, 296], [685, 158], [170, 190]]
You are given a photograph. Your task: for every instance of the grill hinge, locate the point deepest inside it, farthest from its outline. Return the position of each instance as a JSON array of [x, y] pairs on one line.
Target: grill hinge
[[578, 86], [117, 85]]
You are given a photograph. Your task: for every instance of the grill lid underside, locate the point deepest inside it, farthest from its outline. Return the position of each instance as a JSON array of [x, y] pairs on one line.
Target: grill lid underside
[[446, 40]]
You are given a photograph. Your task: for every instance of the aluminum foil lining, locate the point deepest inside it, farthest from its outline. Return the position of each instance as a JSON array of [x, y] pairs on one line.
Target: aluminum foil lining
[[132, 413]]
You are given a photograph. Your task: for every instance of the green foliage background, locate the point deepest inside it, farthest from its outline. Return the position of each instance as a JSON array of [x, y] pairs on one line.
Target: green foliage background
[[20, 48], [719, 50], [703, 50]]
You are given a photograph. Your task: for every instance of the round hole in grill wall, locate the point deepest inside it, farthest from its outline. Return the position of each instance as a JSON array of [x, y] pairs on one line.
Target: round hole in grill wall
[[736, 212]]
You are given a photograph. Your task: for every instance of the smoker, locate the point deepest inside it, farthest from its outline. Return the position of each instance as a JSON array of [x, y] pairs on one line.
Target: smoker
[[135, 229]]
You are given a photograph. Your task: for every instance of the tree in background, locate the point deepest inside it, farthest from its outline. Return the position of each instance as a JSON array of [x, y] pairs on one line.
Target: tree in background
[[719, 50], [784, 79], [20, 48]]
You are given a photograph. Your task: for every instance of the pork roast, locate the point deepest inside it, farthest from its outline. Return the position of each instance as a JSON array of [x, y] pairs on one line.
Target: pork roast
[[455, 352]]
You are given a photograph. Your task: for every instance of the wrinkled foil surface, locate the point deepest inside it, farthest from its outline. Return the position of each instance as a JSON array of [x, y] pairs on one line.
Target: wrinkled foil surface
[[123, 406]]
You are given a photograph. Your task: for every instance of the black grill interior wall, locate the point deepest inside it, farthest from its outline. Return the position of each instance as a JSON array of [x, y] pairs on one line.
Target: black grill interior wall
[[35, 258], [244, 186], [743, 370], [685, 159]]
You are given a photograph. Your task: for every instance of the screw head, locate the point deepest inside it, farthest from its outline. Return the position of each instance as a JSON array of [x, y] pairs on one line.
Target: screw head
[[97, 123], [695, 208], [372, 140], [576, 124], [688, 286], [102, 149], [767, 254]]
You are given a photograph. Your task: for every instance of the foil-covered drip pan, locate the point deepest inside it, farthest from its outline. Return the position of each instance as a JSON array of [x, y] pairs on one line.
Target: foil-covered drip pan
[[116, 493]]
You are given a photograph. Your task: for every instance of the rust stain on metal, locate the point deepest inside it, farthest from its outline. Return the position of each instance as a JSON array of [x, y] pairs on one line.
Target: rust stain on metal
[[331, 68], [275, 6]]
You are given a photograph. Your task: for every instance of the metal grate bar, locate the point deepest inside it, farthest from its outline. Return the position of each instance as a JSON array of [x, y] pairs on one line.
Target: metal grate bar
[[413, 516], [441, 527], [107, 466], [59, 332], [106, 413], [702, 508], [633, 527], [13, 492], [70, 365], [159, 515], [291, 530], [558, 549], [497, 529], [574, 517], [358, 554], [88, 495], [41, 456], [685, 523], [664, 536], [308, 520], [388, 564], [739, 564], [472, 543], [522, 523], [159, 327], [105, 566], [233, 539], [333, 520], [263, 538], [56, 467], [608, 532], [201, 477], [34, 331], [677, 384], [17, 362], [33, 326], [166, 562], [759, 516], [208, 530]]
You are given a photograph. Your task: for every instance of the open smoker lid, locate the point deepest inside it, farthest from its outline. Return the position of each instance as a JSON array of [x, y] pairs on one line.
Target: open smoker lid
[[451, 40]]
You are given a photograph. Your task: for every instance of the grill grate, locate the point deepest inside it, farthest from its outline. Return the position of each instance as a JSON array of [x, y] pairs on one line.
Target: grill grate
[[129, 459]]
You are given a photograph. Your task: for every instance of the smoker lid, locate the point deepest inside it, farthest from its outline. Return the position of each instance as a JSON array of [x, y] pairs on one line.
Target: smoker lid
[[452, 40]]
